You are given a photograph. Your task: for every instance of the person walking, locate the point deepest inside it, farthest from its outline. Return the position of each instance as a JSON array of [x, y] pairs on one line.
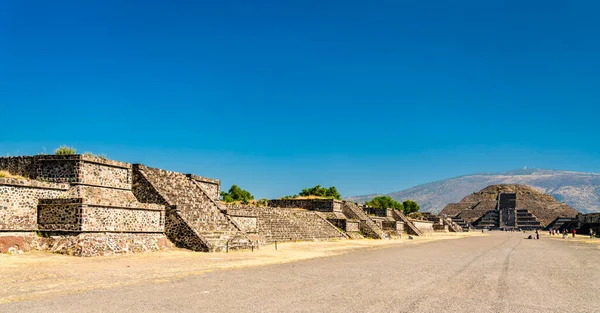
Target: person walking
[[574, 232], [537, 234], [591, 233]]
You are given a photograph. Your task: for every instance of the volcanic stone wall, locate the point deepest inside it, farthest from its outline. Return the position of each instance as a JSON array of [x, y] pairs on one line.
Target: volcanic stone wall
[[321, 205], [77, 215], [19, 201], [72, 169], [77, 200], [194, 219], [210, 186], [285, 224]]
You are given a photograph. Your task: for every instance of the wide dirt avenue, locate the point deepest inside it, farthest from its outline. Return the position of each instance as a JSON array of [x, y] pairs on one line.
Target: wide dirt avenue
[[502, 272]]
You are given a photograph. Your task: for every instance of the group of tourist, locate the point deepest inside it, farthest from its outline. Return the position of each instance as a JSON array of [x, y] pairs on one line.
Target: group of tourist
[[565, 233]]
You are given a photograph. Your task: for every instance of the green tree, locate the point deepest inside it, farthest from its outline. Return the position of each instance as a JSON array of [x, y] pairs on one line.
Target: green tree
[[410, 206], [319, 191], [385, 202], [236, 193]]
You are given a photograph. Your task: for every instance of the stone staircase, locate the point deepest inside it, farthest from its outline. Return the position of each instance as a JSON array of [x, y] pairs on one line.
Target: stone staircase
[[452, 226], [194, 221], [526, 220], [559, 222], [290, 224], [490, 220], [367, 226], [408, 225], [464, 225]]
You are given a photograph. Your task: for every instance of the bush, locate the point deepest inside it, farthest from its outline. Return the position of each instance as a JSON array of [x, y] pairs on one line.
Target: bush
[[410, 207], [65, 150], [319, 191], [385, 202], [236, 193]]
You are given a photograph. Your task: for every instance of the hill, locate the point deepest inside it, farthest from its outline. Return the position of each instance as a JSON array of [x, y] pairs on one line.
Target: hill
[[580, 190]]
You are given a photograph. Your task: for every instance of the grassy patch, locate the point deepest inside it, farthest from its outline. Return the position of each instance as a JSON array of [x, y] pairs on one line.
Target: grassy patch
[[65, 150], [6, 174]]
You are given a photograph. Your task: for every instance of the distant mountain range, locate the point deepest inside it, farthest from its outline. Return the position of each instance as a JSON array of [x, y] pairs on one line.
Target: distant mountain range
[[579, 190]]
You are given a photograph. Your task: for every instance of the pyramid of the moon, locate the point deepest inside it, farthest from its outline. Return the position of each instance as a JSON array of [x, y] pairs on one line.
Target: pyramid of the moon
[[508, 206]]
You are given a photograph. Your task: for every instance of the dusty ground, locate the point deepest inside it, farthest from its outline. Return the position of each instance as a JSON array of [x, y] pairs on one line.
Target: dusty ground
[[37, 275], [502, 272]]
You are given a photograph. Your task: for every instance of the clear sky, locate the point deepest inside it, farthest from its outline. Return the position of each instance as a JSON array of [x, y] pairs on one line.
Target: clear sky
[[369, 96]]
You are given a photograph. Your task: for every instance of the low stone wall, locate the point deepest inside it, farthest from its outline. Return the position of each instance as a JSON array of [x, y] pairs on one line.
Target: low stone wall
[[346, 225], [212, 187], [72, 169], [423, 226], [248, 224], [19, 201], [321, 205], [101, 244], [378, 212], [285, 224], [76, 215]]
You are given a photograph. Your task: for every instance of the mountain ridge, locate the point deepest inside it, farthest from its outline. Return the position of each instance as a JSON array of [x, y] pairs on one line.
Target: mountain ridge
[[581, 190]]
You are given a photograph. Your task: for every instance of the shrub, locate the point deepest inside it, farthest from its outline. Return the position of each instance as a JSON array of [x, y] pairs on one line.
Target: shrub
[[319, 191], [236, 193], [65, 150], [385, 202]]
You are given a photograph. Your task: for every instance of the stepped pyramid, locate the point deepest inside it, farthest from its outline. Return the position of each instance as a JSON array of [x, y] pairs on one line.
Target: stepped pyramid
[[194, 219], [508, 206]]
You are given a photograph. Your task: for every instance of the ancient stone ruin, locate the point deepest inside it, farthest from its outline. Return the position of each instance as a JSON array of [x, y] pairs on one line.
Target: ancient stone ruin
[[507, 207], [85, 205]]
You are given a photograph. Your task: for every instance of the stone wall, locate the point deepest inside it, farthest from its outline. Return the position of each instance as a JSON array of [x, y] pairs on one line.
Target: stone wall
[[76, 215], [101, 244], [73, 169], [249, 224], [423, 226], [285, 224], [192, 213], [212, 187], [321, 205], [19, 201], [21, 165]]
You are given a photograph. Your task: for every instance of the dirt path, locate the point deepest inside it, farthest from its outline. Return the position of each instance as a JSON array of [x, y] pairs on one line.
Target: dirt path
[[502, 272], [36, 275]]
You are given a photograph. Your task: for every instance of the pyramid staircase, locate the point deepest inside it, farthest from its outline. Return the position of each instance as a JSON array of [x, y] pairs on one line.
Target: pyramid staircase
[[490, 220], [408, 225], [526, 220], [452, 226], [464, 225], [559, 223], [367, 226], [194, 220]]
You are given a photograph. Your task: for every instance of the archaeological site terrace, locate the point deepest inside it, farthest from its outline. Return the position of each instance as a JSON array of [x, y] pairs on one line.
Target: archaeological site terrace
[[84, 205]]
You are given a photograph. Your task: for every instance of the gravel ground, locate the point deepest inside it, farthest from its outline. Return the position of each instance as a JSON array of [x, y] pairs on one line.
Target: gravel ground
[[499, 273]]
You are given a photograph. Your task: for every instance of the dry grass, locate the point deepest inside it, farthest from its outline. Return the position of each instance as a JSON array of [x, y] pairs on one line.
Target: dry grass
[[6, 174]]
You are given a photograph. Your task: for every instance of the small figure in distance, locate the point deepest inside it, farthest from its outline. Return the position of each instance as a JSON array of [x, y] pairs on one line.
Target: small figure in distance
[[574, 232], [537, 234], [591, 233]]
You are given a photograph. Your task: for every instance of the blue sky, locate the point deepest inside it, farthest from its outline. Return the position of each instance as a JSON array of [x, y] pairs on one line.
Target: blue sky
[[275, 96]]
